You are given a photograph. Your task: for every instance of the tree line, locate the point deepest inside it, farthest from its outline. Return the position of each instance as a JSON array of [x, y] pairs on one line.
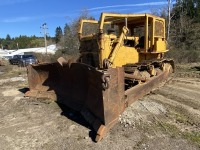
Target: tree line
[[185, 31], [184, 34], [66, 39], [22, 42]]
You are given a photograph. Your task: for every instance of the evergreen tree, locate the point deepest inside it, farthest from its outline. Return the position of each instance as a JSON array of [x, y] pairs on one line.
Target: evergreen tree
[[66, 29], [58, 34], [7, 42], [190, 8], [8, 38]]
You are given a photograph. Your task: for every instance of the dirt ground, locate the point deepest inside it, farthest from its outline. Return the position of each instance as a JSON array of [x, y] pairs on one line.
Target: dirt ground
[[166, 119]]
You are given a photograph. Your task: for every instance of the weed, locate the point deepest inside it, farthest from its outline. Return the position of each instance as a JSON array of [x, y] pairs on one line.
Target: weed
[[192, 136]]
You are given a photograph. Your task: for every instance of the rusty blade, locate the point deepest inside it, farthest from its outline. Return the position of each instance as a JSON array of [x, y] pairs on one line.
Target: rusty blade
[[99, 95], [81, 87]]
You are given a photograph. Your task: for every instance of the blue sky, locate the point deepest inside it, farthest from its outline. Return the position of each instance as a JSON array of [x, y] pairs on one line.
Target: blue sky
[[24, 17]]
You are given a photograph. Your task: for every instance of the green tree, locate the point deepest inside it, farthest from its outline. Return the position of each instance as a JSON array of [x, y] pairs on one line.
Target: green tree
[[190, 8], [23, 41], [58, 34], [7, 42], [8, 38]]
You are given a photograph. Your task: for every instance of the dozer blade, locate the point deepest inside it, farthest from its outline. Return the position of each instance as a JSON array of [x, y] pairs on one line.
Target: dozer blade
[[99, 95]]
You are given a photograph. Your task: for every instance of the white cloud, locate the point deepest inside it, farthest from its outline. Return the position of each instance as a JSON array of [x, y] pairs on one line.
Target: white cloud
[[94, 11], [19, 19], [31, 18], [108, 10], [130, 5]]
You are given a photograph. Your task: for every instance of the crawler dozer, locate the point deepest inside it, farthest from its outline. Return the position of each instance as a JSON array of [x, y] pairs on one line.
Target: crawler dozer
[[121, 60]]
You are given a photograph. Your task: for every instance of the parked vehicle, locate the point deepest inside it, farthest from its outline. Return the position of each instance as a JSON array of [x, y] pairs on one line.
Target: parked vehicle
[[23, 60], [27, 61], [15, 59]]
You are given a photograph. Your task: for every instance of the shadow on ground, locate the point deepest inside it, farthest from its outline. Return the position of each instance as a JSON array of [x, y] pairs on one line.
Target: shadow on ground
[[197, 68], [76, 117], [24, 90]]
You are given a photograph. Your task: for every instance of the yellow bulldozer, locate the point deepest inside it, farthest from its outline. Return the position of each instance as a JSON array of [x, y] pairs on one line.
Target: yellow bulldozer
[[121, 60]]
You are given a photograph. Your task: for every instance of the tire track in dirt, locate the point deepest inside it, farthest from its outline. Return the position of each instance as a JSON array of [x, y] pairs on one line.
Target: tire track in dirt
[[30, 124], [195, 82], [184, 98], [182, 95], [172, 110], [188, 109]]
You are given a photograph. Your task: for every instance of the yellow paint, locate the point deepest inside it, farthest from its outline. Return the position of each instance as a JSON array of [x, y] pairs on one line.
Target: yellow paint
[[160, 45], [112, 47], [126, 55]]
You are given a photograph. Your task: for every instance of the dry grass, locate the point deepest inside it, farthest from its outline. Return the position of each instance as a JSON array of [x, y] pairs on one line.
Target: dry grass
[[13, 71]]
